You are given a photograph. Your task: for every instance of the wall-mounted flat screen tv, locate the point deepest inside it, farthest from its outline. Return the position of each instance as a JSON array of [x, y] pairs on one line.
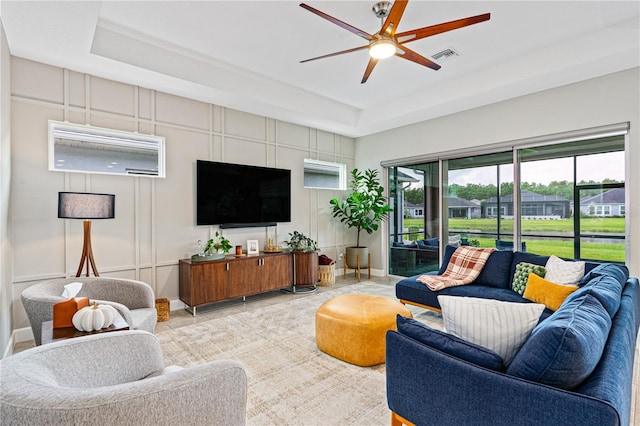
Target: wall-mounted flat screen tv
[[237, 195]]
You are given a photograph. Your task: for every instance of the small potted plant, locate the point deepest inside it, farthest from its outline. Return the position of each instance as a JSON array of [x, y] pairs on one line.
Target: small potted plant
[[305, 259], [215, 248], [300, 242]]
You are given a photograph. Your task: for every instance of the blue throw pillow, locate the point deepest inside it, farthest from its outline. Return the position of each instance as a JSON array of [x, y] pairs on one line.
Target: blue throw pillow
[[449, 344], [422, 245], [606, 289], [432, 242], [448, 252], [564, 349], [496, 272]]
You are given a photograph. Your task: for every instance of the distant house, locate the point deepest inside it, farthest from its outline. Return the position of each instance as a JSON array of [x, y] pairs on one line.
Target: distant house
[[608, 203], [413, 210], [533, 206], [461, 208]]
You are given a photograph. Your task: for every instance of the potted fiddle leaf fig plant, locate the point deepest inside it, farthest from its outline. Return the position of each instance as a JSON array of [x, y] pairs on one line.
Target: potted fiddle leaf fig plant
[[215, 248], [363, 209], [305, 259]]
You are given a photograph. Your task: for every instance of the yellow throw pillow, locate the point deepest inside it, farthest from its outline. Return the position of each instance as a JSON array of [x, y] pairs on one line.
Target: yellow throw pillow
[[549, 294]]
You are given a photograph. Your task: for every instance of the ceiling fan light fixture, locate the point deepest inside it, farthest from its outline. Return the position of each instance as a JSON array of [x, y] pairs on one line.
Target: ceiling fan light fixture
[[381, 49]]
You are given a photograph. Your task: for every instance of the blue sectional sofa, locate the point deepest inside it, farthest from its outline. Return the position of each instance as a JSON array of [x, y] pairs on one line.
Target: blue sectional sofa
[[575, 368]]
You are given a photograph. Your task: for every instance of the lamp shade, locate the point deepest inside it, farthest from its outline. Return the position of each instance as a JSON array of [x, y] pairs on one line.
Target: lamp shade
[[86, 205]]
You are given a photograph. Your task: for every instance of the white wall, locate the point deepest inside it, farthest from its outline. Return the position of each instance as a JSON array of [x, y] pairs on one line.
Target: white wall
[[5, 181], [154, 225], [610, 99]]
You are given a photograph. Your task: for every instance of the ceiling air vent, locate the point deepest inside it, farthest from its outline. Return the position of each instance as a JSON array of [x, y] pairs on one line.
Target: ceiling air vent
[[445, 55]]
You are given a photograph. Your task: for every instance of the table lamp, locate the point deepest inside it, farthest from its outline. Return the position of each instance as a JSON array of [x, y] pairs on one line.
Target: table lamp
[[86, 205]]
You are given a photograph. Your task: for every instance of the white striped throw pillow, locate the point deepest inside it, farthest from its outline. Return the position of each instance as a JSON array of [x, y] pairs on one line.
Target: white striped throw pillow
[[500, 326]]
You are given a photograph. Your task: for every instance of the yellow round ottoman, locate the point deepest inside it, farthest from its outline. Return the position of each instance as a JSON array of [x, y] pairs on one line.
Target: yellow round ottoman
[[352, 327]]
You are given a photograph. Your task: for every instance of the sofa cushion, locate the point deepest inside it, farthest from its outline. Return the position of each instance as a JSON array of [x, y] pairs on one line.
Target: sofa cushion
[[449, 344], [563, 350], [496, 272], [550, 294], [606, 289], [521, 275], [422, 244], [619, 272], [500, 326], [448, 252], [563, 272]]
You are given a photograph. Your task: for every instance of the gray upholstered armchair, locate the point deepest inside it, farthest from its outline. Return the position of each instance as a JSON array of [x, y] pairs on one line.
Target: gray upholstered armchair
[[134, 299], [117, 378]]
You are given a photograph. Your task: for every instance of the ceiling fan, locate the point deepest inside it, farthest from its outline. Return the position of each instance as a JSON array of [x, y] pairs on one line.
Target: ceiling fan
[[387, 42]]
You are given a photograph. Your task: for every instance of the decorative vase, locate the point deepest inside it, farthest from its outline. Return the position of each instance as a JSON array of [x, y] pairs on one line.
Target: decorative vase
[[352, 257]]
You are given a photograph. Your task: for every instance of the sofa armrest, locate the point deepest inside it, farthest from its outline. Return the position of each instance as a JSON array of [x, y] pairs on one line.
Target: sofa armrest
[[426, 386]]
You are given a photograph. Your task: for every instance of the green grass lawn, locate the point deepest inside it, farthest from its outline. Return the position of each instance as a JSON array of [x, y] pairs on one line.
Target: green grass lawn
[[603, 225], [610, 252]]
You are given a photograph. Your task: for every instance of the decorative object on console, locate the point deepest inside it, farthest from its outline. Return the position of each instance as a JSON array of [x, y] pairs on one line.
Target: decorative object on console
[[85, 205], [270, 248], [92, 318], [364, 209], [215, 248], [252, 247]]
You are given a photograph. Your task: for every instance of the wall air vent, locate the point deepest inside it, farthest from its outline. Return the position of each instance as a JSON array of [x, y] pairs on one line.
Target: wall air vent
[[445, 55]]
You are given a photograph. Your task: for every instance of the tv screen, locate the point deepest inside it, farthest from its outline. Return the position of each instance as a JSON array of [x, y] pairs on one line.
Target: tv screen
[[241, 195]]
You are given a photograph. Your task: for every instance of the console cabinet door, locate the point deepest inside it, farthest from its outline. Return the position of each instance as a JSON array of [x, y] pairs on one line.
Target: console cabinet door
[[276, 272], [208, 283], [244, 277]]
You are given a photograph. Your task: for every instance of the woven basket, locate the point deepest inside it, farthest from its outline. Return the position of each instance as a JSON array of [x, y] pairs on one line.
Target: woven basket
[[327, 274], [163, 309]]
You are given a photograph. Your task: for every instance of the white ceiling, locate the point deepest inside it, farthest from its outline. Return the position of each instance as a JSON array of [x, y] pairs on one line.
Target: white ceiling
[[245, 54]]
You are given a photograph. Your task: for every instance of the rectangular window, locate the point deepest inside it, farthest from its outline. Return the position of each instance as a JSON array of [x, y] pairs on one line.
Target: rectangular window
[[621, 210], [324, 175], [88, 149]]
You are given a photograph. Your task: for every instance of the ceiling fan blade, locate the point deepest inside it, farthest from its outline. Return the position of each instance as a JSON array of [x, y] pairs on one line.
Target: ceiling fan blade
[[393, 20], [409, 54], [342, 52], [338, 22], [372, 63], [413, 35]]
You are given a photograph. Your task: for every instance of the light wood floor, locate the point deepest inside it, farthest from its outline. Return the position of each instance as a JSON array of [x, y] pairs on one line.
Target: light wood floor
[[182, 318]]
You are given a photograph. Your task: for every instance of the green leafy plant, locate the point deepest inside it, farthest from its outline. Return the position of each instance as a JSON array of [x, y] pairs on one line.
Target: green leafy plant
[[300, 242], [217, 243], [366, 207]]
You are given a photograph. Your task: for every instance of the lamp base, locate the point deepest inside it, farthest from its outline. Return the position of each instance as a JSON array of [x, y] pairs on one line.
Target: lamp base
[[87, 252]]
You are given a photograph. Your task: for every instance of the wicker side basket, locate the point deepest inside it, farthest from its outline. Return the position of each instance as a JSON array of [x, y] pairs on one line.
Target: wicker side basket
[[327, 274], [163, 309]]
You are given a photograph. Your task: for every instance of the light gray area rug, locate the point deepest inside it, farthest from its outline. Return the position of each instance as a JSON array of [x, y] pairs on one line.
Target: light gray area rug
[[291, 382]]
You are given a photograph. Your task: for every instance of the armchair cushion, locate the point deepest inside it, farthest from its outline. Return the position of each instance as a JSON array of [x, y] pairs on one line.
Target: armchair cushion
[[117, 378]]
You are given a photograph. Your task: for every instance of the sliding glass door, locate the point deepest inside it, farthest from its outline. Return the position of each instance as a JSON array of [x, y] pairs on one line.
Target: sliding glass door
[[415, 221], [566, 199]]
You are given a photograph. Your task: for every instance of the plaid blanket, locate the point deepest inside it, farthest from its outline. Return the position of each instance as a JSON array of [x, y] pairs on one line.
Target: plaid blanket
[[463, 268]]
